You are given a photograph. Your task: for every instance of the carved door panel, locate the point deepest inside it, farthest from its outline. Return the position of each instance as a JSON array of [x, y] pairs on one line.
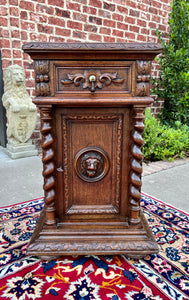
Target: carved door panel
[[92, 164]]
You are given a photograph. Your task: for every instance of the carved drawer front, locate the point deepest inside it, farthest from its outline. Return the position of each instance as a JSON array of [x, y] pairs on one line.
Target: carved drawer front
[[92, 77], [91, 150]]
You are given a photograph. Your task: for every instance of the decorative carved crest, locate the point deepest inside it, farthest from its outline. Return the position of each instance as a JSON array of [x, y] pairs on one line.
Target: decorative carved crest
[[42, 77], [143, 78], [85, 82]]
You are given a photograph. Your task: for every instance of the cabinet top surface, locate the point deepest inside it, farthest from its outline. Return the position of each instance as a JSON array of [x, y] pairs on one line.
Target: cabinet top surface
[[91, 47]]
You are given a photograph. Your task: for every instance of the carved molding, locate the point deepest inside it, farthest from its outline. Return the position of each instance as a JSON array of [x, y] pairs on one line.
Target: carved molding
[[48, 164], [95, 246], [119, 120], [83, 80], [143, 78], [32, 46], [136, 164], [42, 77]]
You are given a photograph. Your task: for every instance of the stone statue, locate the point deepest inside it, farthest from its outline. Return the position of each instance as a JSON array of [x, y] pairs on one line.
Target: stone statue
[[21, 112]]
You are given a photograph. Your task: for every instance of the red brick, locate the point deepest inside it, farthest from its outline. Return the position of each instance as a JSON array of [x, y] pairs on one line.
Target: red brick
[[15, 34], [3, 11], [157, 4], [104, 13], [152, 25], [153, 10], [130, 35], [132, 4], [117, 17], [6, 53], [16, 44], [27, 5], [122, 26], [17, 53], [117, 33], [56, 2], [95, 3], [3, 21], [155, 18], [95, 37], [130, 20], [44, 9], [74, 25], [62, 32], [121, 2], [38, 37], [4, 33], [24, 15], [38, 18], [14, 22], [3, 2], [13, 2], [109, 23], [109, 39], [141, 23], [27, 26], [123, 10], [17, 62], [62, 13], [5, 43], [89, 10], [56, 21], [119, 40], [134, 28], [73, 6], [145, 31], [90, 28], [105, 30], [109, 6], [24, 35], [134, 13], [45, 29], [79, 35], [142, 38], [95, 20], [14, 11], [79, 17]]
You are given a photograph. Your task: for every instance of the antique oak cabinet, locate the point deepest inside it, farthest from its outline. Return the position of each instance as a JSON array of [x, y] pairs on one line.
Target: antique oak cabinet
[[92, 99]]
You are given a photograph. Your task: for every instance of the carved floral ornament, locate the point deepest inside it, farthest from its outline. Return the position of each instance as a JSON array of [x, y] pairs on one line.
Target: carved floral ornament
[[92, 79]]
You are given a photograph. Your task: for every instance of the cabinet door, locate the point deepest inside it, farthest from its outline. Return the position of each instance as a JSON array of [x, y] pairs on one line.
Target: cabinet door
[[92, 150]]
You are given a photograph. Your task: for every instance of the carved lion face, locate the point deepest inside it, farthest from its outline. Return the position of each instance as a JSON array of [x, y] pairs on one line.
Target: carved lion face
[[14, 77], [92, 164]]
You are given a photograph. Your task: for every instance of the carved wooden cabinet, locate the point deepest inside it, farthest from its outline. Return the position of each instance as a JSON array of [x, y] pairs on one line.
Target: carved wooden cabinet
[[92, 99]]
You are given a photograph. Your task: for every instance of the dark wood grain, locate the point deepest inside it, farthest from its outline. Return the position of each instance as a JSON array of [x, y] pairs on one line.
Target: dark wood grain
[[92, 130]]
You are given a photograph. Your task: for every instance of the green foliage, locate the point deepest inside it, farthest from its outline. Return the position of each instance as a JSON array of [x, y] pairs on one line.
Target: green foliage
[[164, 142], [173, 84]]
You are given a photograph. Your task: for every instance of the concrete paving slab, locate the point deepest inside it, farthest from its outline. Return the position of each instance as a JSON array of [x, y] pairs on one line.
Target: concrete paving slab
[[20, 179], [170, 186]]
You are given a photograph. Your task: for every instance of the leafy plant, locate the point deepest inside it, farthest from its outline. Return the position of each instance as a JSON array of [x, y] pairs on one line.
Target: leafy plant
[[164, 142], [173, 83]]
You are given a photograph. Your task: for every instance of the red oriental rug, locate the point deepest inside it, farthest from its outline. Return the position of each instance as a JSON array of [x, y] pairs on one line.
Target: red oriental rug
[[162, 276]]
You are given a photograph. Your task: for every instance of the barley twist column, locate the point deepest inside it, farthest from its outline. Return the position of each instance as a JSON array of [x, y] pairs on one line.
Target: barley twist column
[[136, 164], [48, 164]]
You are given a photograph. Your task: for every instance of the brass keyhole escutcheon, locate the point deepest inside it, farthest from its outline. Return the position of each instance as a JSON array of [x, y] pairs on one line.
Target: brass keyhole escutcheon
[[92, 79]]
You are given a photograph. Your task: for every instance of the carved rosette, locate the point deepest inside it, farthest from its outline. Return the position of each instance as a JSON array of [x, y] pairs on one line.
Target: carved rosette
[[136, 164], [143, 78], [42, 77], [48, 164]]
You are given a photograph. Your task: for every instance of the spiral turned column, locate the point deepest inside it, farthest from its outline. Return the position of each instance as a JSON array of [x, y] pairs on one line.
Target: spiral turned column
[[136, 164], [48, 164]]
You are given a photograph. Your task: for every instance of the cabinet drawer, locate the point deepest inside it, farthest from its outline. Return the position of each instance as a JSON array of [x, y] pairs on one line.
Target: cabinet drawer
[[93, 77]]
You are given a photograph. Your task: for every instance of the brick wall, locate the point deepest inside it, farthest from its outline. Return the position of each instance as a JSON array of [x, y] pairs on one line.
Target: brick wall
[[80, 20]]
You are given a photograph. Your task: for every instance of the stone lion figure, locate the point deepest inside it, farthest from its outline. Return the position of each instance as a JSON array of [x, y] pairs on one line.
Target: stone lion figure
[[21, 112]]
